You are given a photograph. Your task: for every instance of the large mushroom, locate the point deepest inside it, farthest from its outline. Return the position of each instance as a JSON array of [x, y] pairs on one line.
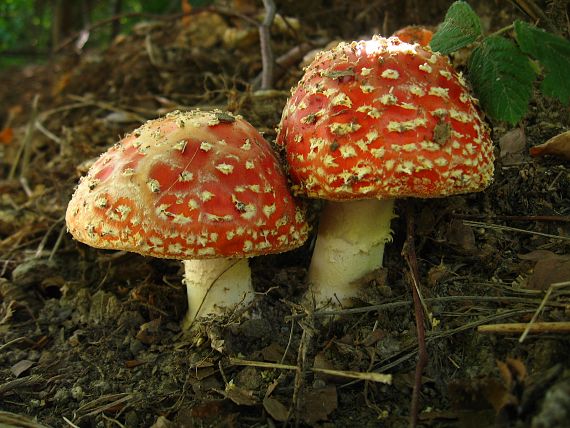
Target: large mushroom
[[371, 121], [203, 187]]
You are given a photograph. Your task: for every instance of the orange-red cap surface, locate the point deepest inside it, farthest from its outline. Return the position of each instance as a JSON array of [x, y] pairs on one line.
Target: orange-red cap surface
[[189, 185], [381, 119]]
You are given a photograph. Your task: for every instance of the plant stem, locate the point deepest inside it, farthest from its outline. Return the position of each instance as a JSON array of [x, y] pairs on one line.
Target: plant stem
[[409, 253], [265, 44]]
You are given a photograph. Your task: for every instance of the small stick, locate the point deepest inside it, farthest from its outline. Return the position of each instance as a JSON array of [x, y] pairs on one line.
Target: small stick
[[513, 229], [541, 307], [24, 151], [521, 327], [350, 374], [545, 218], [265, 44], [409, 253]]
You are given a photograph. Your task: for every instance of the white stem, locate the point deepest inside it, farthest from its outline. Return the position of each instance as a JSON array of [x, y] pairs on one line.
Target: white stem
[[350, 244], [216, 285]]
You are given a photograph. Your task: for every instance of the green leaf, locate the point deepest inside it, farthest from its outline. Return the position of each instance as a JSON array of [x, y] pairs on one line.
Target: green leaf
[[502, 78], [460, 27], [553, 52]]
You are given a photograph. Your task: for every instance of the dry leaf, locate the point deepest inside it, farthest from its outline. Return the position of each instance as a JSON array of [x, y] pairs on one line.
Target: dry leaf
[[20, 367], [240, 396], [276, 409], [461, 237], [550, 268], [558, 145], [319, 404], [149, 332], [512, 146]]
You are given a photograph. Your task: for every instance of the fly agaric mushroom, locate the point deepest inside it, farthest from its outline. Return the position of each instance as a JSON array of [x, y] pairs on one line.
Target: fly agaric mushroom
[[414, 34], [371, 121], [203, 187]]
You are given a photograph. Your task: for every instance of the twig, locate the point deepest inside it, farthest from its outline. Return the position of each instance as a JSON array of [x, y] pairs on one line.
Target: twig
[[306, 339], [24, 151], [103, 403], [286, 351], [513, 229], [536, 13], [267, 60], [13, 341], [40, 127], [43, 242], [403, 303], [409, 253], [541, 307], [389, 363], [108, 106], [9, 419], [525, 328], [171, 17], [350, 374], [544, 218], [71, 424]]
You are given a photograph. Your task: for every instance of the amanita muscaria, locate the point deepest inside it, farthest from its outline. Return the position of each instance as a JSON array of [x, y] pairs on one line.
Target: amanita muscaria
[[203, 187], [371, 121]]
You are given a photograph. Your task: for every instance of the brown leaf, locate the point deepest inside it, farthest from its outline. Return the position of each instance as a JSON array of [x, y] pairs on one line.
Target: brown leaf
[[319, 404], [20, 367], [497, 395], [550, 268], [558, 145], [276, 409], [205, 410], [240, 396], [461, 237], [149, 332], [512, 146]]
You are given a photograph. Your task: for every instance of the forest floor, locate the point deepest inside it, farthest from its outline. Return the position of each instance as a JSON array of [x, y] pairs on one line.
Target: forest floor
[[92, 338]]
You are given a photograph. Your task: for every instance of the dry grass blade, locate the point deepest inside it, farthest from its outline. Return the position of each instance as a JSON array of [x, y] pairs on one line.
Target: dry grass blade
[[442, 299], [103, 403], [23, 156], [541, 307], [108, 106], [22, 382], [513, 229], [8, 419], [350, 374]]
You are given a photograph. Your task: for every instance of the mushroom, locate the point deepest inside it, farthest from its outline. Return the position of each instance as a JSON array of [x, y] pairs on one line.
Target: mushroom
[[371, 121], [203, 187], [414, 34]]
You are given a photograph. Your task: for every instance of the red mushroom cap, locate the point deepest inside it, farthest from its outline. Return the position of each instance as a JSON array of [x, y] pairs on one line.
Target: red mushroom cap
[[382, 118], [190, 185], [414, 34]]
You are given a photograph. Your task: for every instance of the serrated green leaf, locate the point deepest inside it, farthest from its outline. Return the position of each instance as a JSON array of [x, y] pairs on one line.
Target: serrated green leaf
[[553, 52], [502, 78], [460, 27]]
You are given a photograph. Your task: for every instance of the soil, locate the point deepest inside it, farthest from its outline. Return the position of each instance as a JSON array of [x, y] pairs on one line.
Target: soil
[[92, 338]]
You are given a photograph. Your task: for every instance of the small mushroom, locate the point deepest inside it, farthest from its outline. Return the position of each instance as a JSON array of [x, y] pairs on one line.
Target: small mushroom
[[203, 187], [371, 121]]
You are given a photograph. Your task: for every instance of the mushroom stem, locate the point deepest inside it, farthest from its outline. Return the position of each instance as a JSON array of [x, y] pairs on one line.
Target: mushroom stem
[[350, 244], [215, 285]]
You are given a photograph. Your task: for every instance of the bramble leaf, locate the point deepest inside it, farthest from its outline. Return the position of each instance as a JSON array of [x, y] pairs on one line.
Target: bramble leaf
[[460, 27], [553, 53], [502, 78]]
